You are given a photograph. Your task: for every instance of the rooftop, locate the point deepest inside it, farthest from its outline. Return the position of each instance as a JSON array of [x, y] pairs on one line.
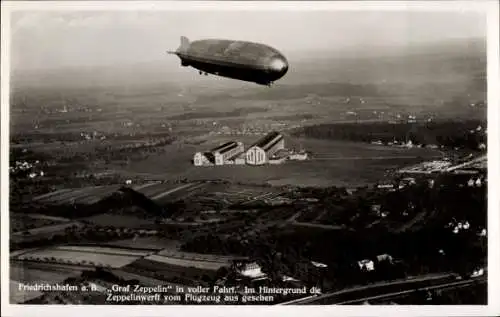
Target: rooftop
[[266, 139], [210, 157], [225, 147]]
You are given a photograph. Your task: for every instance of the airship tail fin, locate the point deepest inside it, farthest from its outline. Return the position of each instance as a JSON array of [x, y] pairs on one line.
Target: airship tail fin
[[184, 44]]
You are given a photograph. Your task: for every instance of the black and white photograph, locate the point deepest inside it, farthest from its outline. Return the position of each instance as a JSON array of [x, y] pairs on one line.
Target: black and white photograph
[[264, 154]]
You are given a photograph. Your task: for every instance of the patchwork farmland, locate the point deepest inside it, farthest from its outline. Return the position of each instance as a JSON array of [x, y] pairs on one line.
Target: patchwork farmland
[[36, 273], [20, 222], [113, 220], [44, 232], [85, 196], [227, 259], [180, 267], [153, 243], [202, 265], [240, 194], [181, 192], [18, 296], [156, 191]]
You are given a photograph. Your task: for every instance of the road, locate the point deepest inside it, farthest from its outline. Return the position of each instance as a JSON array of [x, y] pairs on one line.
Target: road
[[362, 292], [293, 221], [468, 163], [351, 158], [393, 296], [319, 226]]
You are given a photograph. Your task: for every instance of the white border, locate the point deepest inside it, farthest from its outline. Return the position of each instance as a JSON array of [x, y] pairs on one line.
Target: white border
[[491, 7]]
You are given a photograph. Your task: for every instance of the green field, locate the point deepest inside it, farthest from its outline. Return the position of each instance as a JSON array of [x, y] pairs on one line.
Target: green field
[[31, 273], [156, 243], [333, 163], [119, 221]]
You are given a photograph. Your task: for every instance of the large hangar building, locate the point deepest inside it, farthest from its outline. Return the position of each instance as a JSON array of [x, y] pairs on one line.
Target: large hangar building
[[260, 152], [219, 155]]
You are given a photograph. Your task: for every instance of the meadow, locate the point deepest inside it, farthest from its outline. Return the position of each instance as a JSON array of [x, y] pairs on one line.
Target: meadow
[[87, 195], [205, 265], [333, 163], [27, 273], [153, 243], [80, 256], [114, 220]]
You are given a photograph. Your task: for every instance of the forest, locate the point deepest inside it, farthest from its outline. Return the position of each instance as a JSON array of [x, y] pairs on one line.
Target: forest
[[462, 134], [432, 247]]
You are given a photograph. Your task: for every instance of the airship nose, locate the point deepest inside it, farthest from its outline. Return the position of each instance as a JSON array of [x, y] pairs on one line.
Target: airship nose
[[278, 65]]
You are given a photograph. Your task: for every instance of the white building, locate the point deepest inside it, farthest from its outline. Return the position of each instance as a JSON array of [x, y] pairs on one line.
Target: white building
[[240, 159], [252, 270], [299, 156], [276, 161], [227, 151], [368, 265], [260, 152], [203, 159], [278, 157], [319, 264], [384, 257], [220, 155]]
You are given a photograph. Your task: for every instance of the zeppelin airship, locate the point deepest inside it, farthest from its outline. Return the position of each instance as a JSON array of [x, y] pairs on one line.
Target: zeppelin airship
[[247, 61]]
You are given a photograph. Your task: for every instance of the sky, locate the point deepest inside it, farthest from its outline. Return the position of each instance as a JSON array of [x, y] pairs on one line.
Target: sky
[[54, 39]]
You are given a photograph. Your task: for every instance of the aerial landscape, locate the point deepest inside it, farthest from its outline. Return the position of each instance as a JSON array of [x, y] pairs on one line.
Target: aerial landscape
[[359, 177]]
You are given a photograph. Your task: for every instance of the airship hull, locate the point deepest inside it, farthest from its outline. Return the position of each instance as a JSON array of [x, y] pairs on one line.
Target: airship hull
[[240, 60]]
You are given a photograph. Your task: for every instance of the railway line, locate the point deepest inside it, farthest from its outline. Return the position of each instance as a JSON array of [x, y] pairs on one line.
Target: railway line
[[396, 295], [382, 290], [339, 158]]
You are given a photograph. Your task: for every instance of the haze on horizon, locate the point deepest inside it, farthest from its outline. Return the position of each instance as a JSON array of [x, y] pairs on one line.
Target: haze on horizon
[[52, 40]]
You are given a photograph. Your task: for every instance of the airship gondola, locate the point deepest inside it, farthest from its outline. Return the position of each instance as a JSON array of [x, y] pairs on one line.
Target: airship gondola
[[247, 61]]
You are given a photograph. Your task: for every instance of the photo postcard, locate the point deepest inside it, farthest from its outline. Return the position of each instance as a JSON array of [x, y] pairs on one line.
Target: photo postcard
[[158, 156]]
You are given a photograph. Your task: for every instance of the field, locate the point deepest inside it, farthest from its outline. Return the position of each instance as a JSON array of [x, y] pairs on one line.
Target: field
[[198, 256], [154, 189], [82, 255], [19, 223], [186, 275], [153, 243], [335, 163], [114, 220], [143, 280], [103, 250], [181, 267], [44, 232], [17, 296], [87, 195], [163, 193], [204, 265], [238, 194], [157, 191], [31, 273]]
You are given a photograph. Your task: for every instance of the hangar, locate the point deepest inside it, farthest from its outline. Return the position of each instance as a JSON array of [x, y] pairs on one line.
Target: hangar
[[260, 152], [219, 155]]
